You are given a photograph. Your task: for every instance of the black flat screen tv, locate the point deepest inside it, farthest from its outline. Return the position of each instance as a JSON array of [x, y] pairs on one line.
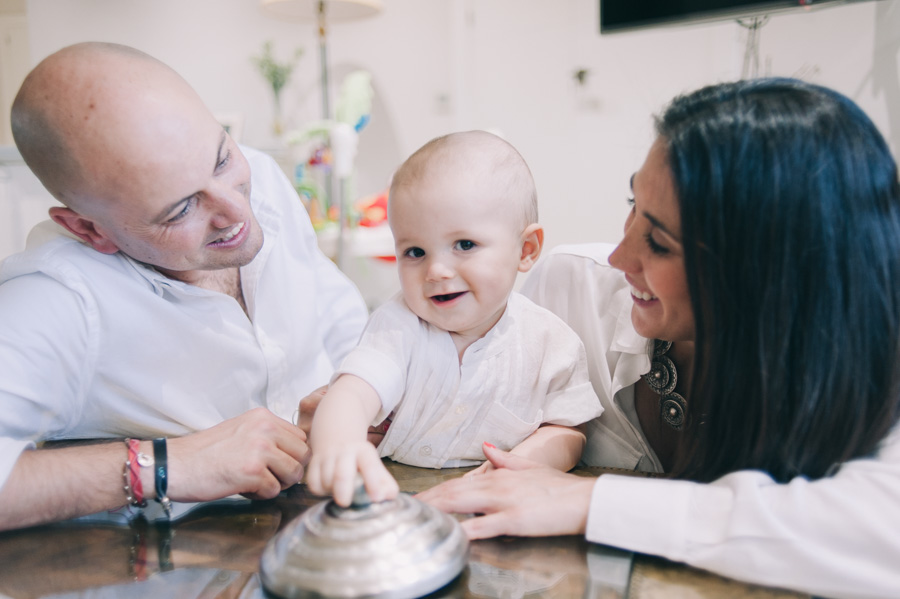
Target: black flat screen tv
[[629, 15]]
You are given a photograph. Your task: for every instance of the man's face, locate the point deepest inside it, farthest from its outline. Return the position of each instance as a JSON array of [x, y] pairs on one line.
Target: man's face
[[211, 227], [166, 185]]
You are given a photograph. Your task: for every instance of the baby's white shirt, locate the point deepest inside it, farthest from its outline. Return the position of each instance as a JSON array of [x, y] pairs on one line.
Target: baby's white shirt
[[529, 369]]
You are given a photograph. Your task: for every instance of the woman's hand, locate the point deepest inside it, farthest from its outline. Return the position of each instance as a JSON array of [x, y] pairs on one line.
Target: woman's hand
[[485, 467], [519, 497]]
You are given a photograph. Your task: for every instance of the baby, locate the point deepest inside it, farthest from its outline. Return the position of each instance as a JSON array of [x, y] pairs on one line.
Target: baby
[[457, 359]]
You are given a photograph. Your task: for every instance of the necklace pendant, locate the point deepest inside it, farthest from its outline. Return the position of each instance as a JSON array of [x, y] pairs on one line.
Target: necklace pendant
[[662, 378], [661, 348], [671, 409]]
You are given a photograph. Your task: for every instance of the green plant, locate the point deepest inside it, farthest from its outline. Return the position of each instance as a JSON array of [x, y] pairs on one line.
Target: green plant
[[276, 73]]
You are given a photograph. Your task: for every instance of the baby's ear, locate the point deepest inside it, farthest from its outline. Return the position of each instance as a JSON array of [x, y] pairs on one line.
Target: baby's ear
[[532, 242]]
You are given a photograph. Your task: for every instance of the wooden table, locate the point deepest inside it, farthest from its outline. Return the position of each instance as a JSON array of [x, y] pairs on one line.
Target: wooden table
[[214, 552]]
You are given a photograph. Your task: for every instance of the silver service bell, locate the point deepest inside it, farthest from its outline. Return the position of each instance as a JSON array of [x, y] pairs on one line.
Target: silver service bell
[[400, 548]]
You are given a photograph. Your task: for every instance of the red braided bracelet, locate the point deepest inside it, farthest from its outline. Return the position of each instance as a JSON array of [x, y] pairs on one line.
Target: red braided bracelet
[[134, 489]]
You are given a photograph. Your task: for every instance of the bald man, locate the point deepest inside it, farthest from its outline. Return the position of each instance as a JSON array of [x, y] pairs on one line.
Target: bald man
[[176, 294]]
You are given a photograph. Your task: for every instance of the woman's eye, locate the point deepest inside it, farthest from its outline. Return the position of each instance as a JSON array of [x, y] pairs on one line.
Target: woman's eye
[[414, 253], [465, 245], [630, 201], [655, 247]]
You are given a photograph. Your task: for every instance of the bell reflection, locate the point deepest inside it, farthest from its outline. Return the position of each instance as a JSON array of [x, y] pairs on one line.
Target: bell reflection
[[490, 581], [511, 568]]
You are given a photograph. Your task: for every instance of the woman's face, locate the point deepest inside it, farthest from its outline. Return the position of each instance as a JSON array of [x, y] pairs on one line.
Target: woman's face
[[651, 254]]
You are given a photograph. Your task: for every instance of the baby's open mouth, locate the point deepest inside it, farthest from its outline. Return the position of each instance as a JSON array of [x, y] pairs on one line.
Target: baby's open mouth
[[446, 297]]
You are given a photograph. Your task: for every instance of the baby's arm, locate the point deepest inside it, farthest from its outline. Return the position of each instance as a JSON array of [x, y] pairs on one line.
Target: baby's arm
[[555, 445], [339, 445]]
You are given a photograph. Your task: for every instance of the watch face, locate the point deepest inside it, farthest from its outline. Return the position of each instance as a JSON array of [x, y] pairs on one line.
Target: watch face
[[144, 460]]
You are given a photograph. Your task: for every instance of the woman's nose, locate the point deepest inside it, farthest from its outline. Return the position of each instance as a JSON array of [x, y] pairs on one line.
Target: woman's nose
[[625, 256], [616, 259]]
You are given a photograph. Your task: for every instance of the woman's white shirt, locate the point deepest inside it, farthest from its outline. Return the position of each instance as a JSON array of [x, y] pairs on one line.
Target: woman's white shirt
[[836, 537], [578, 285]]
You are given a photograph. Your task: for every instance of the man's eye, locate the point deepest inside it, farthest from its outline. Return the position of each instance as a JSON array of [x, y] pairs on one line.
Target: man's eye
[[414, 253], [188, 206], [224, 161], [465, 245]]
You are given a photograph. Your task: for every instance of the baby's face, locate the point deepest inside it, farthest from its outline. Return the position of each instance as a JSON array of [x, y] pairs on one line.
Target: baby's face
[[459, 248]]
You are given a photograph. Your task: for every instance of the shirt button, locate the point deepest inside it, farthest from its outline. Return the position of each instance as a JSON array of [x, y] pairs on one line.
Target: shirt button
[[425, 450], [461, 409]]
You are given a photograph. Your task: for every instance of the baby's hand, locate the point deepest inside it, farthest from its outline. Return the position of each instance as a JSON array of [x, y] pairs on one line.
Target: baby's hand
[[332, 471]]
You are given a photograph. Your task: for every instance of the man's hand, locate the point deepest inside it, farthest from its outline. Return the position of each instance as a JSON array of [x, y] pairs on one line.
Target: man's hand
[[307, 409], [332, 471], [256, 454]]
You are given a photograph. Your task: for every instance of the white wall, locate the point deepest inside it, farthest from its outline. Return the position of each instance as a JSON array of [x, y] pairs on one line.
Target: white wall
[[14, 61], [210, 43], [583, 142], [23, 202], [441, 65]]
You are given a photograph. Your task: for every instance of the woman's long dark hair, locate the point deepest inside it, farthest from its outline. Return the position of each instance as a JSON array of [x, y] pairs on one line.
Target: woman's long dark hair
[[790, 220]]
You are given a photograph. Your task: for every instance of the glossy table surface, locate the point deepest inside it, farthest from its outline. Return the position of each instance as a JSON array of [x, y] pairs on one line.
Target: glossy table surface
[[214, 552]]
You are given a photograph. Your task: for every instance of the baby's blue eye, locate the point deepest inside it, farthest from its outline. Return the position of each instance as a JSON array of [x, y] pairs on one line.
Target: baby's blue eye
[[414, 253], [465, 245]]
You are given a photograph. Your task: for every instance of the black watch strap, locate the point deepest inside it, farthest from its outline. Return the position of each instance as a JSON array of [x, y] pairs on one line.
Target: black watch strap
[[161, 474]]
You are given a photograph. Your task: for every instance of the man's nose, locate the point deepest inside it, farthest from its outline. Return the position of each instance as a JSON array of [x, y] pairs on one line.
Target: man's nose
[[226, 206]]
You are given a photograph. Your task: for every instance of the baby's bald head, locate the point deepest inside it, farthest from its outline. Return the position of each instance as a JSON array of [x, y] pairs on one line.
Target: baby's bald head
[[477, 155]]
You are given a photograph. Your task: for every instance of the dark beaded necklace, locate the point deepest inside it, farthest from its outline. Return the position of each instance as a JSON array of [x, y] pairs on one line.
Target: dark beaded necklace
[[662, 378]]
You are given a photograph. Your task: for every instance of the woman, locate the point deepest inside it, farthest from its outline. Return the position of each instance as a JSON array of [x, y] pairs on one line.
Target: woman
[[764, 244]]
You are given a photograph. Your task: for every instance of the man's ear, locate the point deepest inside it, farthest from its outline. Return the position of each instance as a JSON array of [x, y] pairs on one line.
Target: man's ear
[[532, 242], [83, 228]]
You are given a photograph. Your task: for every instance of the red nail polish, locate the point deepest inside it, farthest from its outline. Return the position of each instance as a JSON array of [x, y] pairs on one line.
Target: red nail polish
[[491, 445]]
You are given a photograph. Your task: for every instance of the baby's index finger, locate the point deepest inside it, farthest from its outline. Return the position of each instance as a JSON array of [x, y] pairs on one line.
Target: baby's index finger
[[342, 493], [345, 481]]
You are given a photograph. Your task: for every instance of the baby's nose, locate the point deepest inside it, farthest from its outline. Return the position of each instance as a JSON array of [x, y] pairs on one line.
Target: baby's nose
[[439, 271]]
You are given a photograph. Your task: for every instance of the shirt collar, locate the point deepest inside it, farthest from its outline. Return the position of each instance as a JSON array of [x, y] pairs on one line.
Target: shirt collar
[[498, 331]]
